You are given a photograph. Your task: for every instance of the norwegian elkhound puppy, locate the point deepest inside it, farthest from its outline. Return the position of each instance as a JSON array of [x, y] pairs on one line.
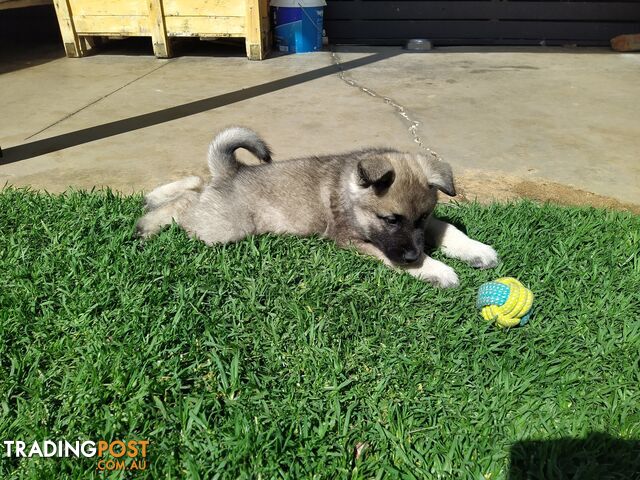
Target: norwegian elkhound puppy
[[378, 200]]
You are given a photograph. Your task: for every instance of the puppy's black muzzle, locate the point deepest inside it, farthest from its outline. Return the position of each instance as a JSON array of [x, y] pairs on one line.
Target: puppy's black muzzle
[[410, 256], [404, 256]]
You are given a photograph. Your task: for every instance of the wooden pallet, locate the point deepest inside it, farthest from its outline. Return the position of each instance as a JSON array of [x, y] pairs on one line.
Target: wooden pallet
[[82, 22]]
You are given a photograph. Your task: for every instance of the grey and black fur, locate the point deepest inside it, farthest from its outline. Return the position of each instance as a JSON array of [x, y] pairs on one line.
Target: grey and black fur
[[378, 200]]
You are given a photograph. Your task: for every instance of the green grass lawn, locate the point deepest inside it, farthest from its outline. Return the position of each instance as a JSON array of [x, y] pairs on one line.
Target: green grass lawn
[[275, 357]]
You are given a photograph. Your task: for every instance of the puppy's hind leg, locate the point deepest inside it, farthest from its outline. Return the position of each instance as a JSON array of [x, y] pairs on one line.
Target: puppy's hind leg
[[170, 191], [161, 216], [456, 244]]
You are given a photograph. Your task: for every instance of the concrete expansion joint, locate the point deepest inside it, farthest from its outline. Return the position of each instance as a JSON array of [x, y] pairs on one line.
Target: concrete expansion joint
[[399, 108], [90, 104]]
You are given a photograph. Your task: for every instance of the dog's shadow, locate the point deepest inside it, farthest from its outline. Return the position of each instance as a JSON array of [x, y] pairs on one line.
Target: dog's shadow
[[597, 456]]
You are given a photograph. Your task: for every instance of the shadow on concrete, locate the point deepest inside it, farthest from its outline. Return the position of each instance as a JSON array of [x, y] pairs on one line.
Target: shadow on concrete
[[28, 37], [476, 49], [71, 139], [598, 456], [16, 55]]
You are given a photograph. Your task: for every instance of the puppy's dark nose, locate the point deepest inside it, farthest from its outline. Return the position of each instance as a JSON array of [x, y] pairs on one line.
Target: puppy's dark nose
[[410, 256]]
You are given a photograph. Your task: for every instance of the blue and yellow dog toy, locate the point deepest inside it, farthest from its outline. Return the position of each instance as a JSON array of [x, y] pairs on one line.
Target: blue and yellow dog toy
[[505, 301]]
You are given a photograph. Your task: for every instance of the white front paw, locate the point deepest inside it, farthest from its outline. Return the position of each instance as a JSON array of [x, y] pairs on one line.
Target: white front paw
[[437, 273], [474, 253], [482, 256]]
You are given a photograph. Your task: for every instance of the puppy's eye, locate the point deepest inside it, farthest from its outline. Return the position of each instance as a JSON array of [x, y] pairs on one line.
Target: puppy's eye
[[390, 219]]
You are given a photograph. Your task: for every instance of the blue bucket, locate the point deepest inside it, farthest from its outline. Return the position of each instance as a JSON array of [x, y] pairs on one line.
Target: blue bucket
[[297, 25]]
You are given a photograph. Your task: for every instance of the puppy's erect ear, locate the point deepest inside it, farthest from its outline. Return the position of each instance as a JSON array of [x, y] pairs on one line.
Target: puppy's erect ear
[[375, 172], [438, 174]]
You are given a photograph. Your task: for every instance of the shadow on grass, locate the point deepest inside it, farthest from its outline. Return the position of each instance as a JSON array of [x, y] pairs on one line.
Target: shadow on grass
[[598, 456]]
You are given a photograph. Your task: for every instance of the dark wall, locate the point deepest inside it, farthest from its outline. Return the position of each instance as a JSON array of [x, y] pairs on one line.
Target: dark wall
[[480, 22]]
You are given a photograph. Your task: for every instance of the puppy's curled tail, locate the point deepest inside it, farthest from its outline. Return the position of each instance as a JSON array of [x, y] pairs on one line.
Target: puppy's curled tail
[[222, 158]]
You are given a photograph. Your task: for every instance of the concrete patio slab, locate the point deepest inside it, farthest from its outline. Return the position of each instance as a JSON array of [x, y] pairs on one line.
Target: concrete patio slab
[[565, 115], [507, 120]]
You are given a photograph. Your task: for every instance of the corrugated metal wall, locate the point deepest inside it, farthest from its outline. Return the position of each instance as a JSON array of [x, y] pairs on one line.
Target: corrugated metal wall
[[480, 22]]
